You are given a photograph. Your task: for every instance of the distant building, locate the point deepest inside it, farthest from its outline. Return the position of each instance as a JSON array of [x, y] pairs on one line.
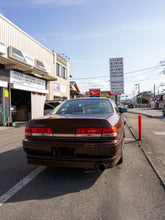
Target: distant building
[[144, 99], [74, 90]]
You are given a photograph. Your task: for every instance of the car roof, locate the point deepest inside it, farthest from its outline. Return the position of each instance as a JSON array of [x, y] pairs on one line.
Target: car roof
[[47, 101], [87, 98]]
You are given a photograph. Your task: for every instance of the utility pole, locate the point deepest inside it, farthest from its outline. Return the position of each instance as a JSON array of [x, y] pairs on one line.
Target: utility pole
[[154, 89]]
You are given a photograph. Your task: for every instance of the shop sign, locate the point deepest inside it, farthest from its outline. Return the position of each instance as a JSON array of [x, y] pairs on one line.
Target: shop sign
[[6, 93], [157, 98], [94, 92], [160, 105], [56, 88], [63, 88], [3, 83], [2, 48], [25, 58], [42, 66], [20, 56], [29, 59], [114, 94], [25, 80], [16, 54]]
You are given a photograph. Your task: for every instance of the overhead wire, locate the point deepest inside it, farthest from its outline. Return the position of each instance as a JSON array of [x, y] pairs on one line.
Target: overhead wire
[[96, 77]]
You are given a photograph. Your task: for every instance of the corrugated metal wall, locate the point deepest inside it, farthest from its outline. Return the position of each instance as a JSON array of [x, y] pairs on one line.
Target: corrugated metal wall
[[13, 36]]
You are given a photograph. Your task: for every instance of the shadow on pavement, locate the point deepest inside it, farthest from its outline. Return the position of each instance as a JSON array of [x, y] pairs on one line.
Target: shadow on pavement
[[55, 182], [51, 182]]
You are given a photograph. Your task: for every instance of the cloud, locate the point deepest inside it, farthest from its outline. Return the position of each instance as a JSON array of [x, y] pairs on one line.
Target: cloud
[[93, 84], [75, 36], [29, 3], [86, 62], [60, 2], [44, 40], [145, 26], [156, 26]]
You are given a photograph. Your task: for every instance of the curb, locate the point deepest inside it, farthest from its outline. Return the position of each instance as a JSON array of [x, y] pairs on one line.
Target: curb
[[146, 114], [5, 128], [155, 163]]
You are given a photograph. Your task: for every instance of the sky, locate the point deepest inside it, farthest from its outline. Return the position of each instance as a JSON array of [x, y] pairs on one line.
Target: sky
[[89, 32]]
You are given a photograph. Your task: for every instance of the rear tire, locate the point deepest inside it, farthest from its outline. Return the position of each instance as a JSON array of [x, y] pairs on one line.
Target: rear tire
[[122, 156]]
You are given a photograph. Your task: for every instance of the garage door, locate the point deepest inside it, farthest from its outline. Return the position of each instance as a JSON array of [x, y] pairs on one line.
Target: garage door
[[37, 104]]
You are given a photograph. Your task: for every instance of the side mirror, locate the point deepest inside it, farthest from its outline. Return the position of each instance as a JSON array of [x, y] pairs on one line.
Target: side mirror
[[120, 109]]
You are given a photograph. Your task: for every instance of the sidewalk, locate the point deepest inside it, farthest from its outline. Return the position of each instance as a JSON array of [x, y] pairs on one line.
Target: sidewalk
[[16, 124], [154, 113], [4, 128], [151, 144]]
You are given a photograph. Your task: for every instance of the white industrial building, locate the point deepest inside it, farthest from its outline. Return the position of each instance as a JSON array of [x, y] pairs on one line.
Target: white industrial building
[[29, 74]]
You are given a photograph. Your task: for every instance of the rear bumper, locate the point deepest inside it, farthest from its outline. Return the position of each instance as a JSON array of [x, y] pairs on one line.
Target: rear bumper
[[82, 155]]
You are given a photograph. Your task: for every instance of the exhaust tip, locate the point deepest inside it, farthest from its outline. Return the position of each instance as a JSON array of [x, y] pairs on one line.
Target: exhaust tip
[[100, 167]]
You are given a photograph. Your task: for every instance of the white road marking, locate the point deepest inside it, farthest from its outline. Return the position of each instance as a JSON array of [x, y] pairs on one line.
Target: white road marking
[[12, 191], [129, 139], [159, 133]]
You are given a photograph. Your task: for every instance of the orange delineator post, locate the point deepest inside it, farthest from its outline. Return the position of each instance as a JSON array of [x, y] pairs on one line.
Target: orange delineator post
[[140, 126]]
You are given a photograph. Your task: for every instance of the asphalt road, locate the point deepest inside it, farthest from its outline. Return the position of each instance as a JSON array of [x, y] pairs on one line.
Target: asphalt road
[[129, 191], [153, 139]]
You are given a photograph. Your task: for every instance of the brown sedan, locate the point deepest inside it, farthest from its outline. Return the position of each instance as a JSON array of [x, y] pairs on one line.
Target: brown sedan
[[86, 133]]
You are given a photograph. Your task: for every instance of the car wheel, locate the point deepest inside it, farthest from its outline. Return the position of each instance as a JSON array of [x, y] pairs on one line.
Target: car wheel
[[124, 133], [122, 155]]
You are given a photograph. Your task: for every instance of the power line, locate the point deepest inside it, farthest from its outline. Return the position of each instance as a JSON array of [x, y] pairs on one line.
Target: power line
[[143, 69], [96, 77]]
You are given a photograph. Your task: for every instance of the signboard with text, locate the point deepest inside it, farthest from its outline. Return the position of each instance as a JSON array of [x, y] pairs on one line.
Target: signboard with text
[[26, 80], [114, 94], [94, 92], [18, 55], [116, 75]]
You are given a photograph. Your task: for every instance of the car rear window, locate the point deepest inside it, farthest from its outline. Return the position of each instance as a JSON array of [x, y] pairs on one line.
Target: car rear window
[[85, 107]]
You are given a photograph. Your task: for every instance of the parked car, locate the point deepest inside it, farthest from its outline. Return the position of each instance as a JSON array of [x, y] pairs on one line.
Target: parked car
[[163, 110], [13, 109], [85, 132], [130, 106], [50, 105]]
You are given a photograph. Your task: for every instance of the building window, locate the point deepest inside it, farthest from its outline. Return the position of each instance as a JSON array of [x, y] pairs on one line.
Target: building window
[[57, 69], [61, 71], [65, 73]]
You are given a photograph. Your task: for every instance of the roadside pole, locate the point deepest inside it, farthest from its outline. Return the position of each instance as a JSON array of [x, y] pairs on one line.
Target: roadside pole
[[140, 126]]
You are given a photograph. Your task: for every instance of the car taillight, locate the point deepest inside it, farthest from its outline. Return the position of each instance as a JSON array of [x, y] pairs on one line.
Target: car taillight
[[38, 131], [28, 131], [97, 132], [89, 132], [109, 131]]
